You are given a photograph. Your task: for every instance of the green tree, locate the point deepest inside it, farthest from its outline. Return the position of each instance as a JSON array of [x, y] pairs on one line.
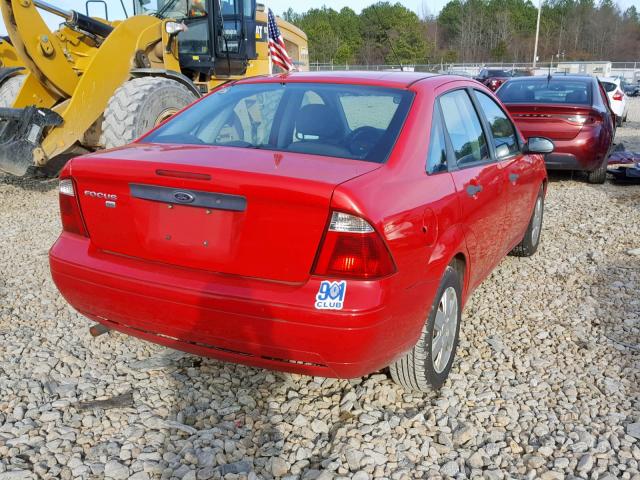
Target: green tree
[[395, 32], [500, 51], [472, 31]]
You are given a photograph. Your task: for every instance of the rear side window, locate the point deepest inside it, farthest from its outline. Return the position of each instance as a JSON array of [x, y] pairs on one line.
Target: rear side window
[[609, 86], [543, 90], [504, 134], [437, 158], [464, 128]]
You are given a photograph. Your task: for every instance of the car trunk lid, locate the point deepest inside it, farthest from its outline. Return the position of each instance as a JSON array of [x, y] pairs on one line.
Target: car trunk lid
[[246, 212], [557, 122]]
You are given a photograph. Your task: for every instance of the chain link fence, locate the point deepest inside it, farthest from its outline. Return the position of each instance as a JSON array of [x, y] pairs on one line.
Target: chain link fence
[[628, 70]]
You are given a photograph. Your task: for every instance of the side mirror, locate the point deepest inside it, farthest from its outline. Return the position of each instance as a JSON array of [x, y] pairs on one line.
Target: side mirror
[[539, 145], [174, 28]]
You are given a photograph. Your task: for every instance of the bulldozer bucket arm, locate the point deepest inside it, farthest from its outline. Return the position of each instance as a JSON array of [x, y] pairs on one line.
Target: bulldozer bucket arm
[[34, 93], [38, 47], [8, 56], [68, 121], [109, 68]]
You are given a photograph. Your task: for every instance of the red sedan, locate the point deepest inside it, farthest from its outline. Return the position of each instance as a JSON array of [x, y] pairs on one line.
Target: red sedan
[[493, 78], [325, 224], [571, 110]]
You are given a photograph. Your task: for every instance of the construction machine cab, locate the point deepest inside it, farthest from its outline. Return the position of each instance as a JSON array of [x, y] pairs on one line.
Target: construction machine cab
[[215, 37]]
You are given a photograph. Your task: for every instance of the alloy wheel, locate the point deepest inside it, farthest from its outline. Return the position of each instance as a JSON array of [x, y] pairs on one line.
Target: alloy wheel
[[444, 331]]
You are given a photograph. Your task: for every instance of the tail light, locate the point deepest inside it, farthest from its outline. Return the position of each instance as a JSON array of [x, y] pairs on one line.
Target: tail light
[[579, 119], [618, 96], [352, 248], [494, 84], [583, 119], [70, 214]]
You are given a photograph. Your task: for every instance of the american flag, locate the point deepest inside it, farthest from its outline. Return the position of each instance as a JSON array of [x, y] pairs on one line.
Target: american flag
[[277, 49]]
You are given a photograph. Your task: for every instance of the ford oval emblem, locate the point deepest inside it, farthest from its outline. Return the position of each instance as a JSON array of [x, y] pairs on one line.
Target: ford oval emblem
[[183, 197]]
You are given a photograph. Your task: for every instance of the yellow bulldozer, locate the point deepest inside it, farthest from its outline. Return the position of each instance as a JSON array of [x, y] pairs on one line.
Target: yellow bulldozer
[[96, 84]]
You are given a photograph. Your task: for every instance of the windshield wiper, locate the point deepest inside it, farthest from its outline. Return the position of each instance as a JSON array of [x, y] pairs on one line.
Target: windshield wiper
[[160, 13]]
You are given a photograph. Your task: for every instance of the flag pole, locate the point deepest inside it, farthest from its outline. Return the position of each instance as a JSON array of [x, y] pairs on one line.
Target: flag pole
[[535, 48], [266, 9]]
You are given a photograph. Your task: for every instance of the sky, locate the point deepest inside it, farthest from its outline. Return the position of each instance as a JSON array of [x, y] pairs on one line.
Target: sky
[[278, 6]]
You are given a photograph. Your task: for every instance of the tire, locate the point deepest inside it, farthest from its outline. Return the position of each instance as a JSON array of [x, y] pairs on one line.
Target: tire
[[9, 90], [139, 105], [531, 240], [599, 175], [419, 369], [618, 121]]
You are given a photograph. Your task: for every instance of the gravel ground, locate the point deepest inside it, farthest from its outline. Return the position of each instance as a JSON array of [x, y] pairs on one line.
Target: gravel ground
[[547, 384]]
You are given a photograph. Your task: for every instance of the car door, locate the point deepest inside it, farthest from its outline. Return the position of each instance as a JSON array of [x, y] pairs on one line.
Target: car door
[[479, 182], [521, 187]]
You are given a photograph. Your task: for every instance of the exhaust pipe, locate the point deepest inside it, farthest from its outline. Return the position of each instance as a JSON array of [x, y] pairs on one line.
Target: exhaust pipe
[[98, 329]]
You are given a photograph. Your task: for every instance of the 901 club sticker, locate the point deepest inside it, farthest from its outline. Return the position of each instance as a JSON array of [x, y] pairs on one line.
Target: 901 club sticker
[[331, 295]]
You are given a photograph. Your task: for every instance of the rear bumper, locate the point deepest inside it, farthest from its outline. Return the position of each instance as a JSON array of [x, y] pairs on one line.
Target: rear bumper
[[257, 323], [585, 152]]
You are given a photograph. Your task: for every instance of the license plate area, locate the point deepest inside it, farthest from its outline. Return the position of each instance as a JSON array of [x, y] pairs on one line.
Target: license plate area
[[202, 233]]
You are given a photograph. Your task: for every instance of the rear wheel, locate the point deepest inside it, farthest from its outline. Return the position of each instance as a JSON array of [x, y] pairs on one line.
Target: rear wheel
[[139, 105], [618, 121], [531, 240], [599, 175], [427, 365], [10, 89]]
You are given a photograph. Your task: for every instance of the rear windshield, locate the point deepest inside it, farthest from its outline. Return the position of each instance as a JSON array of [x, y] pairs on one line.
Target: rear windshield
[[498, 73], [609, 86], [541, 90], [347, 121]]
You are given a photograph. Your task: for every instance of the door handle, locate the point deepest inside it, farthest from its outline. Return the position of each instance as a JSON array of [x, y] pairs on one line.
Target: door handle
[[473, 190], [513, 177]]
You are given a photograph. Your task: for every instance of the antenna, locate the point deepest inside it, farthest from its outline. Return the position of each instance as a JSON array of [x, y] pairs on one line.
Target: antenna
[[393, 50]]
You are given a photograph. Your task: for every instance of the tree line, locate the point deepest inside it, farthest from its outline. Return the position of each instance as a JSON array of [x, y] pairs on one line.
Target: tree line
[[472, 31]]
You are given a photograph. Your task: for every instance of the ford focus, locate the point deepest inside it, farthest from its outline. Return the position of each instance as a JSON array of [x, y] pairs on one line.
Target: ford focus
[[324, 224]]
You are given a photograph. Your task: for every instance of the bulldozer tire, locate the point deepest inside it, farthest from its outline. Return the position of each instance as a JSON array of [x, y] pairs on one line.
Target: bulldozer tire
[[9, 90], [139, 105]]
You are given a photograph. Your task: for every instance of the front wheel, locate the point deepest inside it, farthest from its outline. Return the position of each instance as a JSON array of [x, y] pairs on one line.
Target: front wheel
[[10, 89], [139, 105], [531, 240], [426, 366]]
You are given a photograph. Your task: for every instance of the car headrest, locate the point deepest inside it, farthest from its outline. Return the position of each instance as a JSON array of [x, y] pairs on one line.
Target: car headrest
[[316, 120]]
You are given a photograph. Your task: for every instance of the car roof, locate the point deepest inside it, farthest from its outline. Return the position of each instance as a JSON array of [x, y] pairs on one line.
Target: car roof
[[377, 78], [553, 77], [609, 79]]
